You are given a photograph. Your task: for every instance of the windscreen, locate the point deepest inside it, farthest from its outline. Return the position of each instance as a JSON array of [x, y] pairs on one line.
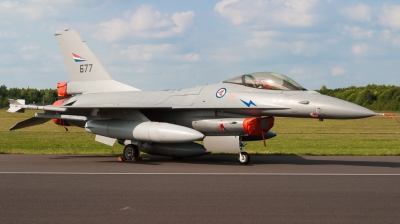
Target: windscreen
[[266, 80]]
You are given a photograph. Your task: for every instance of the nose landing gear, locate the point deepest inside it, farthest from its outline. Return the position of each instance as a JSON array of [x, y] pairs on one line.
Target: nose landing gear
[[244, 158]]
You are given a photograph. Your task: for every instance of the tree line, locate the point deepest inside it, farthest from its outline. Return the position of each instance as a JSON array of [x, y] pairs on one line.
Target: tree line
[[374, 97], [31, 96]]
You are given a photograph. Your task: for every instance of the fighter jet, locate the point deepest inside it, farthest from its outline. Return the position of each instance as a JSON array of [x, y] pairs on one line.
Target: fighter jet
[[171, 122]]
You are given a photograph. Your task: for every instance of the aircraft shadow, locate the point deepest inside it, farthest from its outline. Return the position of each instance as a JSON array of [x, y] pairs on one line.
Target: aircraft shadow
[[232, 160], [329, 160]]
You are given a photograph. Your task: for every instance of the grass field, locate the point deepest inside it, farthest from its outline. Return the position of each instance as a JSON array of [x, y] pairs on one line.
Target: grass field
[[371, 136]]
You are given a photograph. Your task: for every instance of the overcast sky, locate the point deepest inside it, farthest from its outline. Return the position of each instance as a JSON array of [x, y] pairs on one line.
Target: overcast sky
[[155, 45]]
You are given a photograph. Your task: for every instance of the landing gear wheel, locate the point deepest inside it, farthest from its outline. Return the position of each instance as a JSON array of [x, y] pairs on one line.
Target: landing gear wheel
[[130, 152], [244, 158]]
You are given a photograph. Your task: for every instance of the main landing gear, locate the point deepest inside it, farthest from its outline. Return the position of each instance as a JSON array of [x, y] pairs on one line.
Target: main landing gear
[[131, 153]]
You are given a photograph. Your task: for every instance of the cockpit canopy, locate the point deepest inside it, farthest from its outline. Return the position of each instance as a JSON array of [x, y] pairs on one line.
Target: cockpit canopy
[[266, 80]]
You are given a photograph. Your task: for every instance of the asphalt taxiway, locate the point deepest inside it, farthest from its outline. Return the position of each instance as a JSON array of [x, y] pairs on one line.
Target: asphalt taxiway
[[208, 189]]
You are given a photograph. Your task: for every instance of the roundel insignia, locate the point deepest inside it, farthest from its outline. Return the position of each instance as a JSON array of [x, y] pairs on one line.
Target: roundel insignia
[[220, 93]]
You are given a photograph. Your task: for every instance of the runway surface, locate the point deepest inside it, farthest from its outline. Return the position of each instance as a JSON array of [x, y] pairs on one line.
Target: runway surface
[[208, 189]]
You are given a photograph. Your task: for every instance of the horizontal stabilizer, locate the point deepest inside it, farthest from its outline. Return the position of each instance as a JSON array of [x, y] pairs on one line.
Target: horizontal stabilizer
[[28, 123]]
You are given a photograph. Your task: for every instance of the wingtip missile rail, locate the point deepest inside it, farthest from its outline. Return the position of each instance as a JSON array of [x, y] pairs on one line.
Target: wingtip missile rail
[[19, 106]]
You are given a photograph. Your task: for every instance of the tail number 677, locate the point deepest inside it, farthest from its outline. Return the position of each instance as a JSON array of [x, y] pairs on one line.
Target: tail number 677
[[85, 68]]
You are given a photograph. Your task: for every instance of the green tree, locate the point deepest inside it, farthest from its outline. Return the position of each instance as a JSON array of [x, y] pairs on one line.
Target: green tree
[[3, 91], [374, 97], [323, 90], [365, 98]]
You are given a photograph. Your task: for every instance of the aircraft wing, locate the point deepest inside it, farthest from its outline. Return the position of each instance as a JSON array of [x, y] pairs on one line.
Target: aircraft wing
[[264, 107], [121, 106], [165, 106], [165, 100]]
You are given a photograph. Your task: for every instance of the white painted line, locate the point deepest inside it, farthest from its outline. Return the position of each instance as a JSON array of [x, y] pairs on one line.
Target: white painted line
[[221, 174]]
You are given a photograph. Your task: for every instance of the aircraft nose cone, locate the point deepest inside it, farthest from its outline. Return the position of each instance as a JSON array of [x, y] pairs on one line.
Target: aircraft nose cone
[[329, 107]]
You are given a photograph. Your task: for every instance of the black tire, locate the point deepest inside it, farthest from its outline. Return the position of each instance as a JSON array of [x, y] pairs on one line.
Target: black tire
[[130, 152], [244, 158]]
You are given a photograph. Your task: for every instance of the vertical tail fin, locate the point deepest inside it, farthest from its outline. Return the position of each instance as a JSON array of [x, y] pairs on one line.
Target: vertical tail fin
[[86, 73], [82, 64]]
